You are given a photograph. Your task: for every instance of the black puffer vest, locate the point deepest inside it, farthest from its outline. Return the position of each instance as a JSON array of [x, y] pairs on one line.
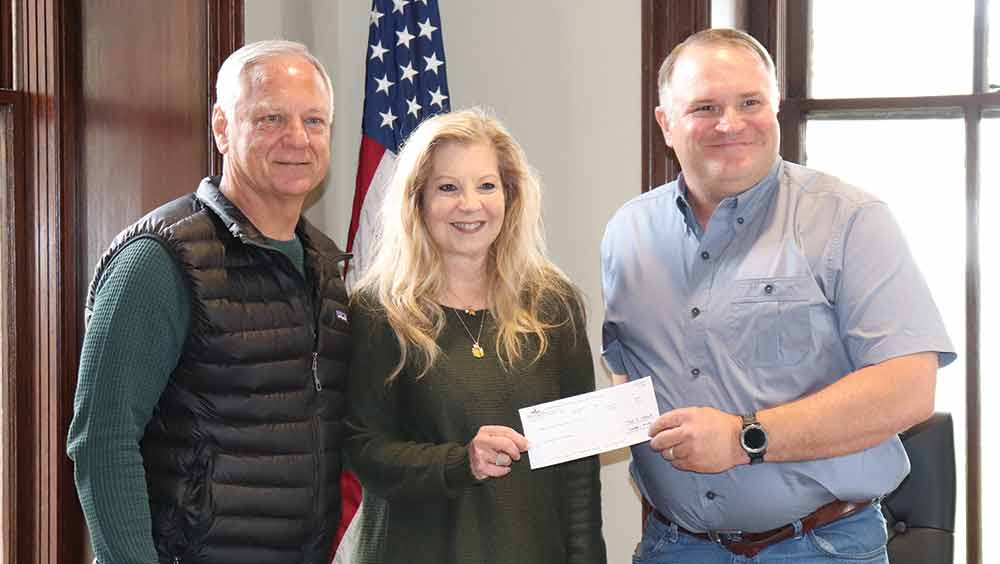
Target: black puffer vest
[[242, 455]]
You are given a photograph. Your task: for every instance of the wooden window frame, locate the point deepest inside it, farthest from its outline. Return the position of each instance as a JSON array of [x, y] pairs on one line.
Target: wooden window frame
[[782, 27]]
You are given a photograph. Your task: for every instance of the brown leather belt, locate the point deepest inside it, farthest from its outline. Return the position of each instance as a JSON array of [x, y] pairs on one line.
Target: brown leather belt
[[750, 544]]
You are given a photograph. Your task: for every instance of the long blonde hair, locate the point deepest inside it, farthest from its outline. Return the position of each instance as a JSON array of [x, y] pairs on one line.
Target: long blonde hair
[[529, 295]]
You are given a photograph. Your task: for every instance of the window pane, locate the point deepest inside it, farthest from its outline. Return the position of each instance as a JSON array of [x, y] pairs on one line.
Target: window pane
[[989, 386], [918, 168], [865, 49]]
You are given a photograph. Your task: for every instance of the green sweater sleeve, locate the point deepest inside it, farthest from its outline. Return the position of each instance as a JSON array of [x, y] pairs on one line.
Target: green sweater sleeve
[[387, 465], [132, 344]]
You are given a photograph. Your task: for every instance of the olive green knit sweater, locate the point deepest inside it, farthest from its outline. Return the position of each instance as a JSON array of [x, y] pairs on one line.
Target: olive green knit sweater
[[407, 443]]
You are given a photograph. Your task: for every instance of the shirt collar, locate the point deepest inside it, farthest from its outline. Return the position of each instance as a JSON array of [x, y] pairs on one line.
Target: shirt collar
[[312, 240], [745, 204], [685, 208]]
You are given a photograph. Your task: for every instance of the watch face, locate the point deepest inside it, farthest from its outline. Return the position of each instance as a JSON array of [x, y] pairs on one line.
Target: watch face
[[754, 438]]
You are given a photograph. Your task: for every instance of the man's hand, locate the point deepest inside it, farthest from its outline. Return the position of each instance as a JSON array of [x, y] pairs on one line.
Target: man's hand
[[493, 449], [698, 439]]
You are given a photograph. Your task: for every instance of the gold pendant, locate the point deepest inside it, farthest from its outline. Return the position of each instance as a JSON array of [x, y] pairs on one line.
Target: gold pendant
[[477, 351]]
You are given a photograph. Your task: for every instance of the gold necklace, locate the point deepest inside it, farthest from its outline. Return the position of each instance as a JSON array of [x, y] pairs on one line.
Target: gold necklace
[[477, 349]]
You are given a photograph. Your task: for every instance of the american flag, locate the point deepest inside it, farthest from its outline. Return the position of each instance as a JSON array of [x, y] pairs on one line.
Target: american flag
[[405, 82]]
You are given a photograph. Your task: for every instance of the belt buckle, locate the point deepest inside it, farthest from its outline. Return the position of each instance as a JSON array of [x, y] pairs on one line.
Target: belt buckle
[[723, 536]]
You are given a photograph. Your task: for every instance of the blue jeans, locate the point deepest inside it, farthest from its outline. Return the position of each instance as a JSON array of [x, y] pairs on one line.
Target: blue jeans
[[858, 538]]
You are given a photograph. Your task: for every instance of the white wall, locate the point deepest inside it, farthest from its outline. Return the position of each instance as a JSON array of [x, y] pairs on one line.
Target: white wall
[[564, 76]]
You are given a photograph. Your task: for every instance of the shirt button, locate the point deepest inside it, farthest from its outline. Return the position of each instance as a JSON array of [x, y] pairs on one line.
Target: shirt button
[[769, 289], [695, 371], [739, 220], [695, 312], [705, 255], [710, 495]]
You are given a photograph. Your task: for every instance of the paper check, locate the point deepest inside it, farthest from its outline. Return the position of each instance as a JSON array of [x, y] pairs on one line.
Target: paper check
[[589, 423]]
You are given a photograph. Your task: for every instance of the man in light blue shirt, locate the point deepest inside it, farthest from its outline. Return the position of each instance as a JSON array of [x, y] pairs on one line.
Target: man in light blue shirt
[[787, 329]]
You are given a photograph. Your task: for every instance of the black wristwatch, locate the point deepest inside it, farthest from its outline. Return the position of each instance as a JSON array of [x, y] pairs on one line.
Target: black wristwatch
[[753, 438]]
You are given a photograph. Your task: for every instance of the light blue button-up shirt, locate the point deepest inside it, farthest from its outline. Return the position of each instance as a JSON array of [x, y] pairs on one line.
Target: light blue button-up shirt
[[795, 283]]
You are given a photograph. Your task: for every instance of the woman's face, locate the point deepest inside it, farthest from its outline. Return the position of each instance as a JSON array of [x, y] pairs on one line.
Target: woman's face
[[463, 200]]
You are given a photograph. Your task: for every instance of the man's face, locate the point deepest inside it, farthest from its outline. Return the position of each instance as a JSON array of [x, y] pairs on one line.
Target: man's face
[[721, 120], [277, 144]]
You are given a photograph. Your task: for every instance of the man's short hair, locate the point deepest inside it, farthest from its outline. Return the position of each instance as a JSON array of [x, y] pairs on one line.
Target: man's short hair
[[229, 83], [715, 36]]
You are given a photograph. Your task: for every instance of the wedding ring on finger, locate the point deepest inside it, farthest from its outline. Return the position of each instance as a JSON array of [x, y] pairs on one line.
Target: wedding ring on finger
[[670, 453], [502, 459]]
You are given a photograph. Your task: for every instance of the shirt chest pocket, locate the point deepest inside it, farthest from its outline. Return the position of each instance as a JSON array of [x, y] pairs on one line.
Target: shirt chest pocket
[[768, 321]]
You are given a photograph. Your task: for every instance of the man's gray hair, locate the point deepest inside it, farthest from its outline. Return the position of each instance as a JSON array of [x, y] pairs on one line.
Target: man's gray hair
[[229, 82], [715, 36]]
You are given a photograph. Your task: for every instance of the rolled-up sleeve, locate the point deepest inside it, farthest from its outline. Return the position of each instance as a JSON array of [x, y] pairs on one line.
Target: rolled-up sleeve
[[611, 347]]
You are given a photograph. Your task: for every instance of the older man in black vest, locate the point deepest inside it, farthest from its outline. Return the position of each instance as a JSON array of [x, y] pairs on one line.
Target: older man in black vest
[[207, 424]]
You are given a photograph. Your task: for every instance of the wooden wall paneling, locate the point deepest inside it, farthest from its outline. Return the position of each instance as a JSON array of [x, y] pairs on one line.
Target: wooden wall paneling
[[110, 130], [146, 109], [13, 267], [665, 23], [31, 521], [71, 535], [144, 112], [44, 532]]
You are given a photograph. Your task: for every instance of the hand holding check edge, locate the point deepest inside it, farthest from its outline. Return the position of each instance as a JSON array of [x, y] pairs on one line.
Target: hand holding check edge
[[698, 439]]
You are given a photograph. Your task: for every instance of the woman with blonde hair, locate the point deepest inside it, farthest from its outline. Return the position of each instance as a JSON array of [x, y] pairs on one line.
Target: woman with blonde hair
[[460, 321]]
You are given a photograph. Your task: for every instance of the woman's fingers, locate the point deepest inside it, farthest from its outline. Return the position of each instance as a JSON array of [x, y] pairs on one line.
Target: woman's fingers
[[520, 443], [483, 461], [493, 450]]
